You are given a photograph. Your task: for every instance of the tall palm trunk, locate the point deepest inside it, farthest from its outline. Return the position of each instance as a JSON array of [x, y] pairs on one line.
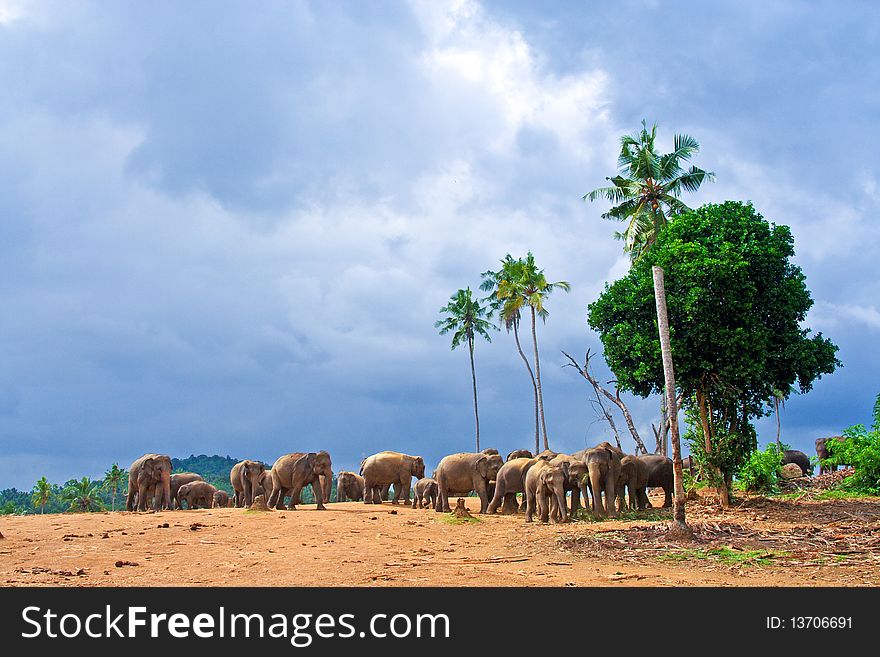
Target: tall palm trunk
[[671, 406], [538, 381], [474, 380], [532, 377], [778, 425]]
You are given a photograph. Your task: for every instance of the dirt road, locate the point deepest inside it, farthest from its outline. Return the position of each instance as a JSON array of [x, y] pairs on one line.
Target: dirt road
[[760, 543]]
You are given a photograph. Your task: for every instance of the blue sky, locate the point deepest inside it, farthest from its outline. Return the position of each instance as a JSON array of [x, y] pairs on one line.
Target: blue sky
[[229, 230]]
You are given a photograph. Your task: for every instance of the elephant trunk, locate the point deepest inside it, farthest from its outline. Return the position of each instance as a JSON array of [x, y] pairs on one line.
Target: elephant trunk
[[596, 485]]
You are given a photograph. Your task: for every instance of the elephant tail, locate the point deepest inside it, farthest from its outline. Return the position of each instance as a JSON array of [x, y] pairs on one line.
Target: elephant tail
[[361, 471]]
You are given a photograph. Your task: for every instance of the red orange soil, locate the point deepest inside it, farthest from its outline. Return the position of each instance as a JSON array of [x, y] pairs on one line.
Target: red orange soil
[[806, 543]]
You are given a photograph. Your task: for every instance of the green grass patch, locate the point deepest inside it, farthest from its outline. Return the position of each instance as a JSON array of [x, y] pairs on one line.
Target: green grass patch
[[449, 519], [727, 555]]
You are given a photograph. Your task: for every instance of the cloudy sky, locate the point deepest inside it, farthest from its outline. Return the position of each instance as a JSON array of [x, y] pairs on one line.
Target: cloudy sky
[[229, 230]]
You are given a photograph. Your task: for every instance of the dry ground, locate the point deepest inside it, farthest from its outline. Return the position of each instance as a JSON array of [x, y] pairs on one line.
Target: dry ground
[[758, 543]]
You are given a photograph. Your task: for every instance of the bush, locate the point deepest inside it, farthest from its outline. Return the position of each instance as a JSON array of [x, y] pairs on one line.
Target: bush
[[761, 471], [861, 450]]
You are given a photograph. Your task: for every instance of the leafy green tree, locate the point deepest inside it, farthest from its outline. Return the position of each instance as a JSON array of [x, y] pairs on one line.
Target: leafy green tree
[[646, 190], [41, 494], [736, 304], [861, 450], [8, 508], [112, 479], [508, 302], [82, 495], [466, 318]]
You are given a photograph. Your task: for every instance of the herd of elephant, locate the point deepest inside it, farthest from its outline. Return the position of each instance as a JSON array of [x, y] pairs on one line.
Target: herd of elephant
[[544, 480], [551, 484]]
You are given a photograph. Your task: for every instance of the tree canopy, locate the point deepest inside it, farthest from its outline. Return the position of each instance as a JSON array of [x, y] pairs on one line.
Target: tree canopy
[[736, 307]]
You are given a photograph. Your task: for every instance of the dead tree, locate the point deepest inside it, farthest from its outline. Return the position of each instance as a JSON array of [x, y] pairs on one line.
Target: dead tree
[[614, 399]]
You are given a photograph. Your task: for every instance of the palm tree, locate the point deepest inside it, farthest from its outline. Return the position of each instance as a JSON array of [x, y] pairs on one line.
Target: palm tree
[[41, 493], [466, 319], [647, 187], [112, 479], [509, 307], [527, 286], [82, 495]]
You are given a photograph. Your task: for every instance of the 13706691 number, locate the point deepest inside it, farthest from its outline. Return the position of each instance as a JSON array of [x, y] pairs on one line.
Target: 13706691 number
[[820, 622]]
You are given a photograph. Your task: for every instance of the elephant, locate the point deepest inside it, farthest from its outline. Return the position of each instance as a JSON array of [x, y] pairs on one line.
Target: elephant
[[386, 468], [633, 478], [426, 492], [575, 480], [547, 455], [658, 474], [509, 481], [349, 485], [798, 457], [265, 484], [545, 491], [178, 479], [459, 474], [292, 472], [221, 499], [149, 476], [196, 494], [520, 454], [823, 453], [489, 451], [687, 463], [245, 478], [603, 465]]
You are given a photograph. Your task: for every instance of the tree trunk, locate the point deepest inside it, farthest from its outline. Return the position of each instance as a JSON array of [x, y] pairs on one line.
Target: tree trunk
[[778, 425], [538, 381], [532, 377], [680, 526], [474, 380], [723, 492]]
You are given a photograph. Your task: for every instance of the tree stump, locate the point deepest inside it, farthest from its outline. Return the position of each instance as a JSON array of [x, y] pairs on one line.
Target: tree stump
[[460, 510], [259, 504]]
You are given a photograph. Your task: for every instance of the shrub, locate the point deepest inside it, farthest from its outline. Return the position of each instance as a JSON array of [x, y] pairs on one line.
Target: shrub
[[761, 470], [861, 450]]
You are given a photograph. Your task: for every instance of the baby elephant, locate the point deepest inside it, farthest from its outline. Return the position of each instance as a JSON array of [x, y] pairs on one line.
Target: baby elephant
[[221, 499], [197, 495], [426, 492], [545, 492]]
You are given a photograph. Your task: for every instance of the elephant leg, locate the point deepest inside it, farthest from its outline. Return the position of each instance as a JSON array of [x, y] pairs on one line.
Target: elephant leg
[[611, 496], [318, 492], [530, 505], [575, 501], [444, 500], [294, 495], [496, 499], [667, 499]]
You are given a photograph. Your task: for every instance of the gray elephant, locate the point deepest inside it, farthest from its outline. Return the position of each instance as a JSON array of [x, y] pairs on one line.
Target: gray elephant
[[425, 494], [149, 477], [349, 486], [509, 481], [196, 494], [386, 468], [520, 454], [603, 466], [459, 474], [221, 499], [245, 478], [824, 453], [658, 474], [292, 472], [798, 457], [547, 455], [265, 488], [490, 451], [575, 479], [545, 491], [633, 478], [178, 479]]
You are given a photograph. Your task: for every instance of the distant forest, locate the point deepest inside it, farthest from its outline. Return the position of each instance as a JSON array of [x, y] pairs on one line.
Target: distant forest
[[97, 494]]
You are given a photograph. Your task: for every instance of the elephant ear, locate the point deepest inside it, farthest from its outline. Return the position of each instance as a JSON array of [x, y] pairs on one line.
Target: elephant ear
[[482, 465]]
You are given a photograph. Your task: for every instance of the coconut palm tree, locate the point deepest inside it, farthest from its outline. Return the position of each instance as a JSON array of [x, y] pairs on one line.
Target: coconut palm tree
[[530, 288], [647, 188], [112, 478], [82, 495], [41, 494], [466, 319], [508, 303]]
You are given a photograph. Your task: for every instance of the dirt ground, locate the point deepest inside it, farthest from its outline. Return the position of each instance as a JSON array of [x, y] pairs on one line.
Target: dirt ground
[[759, 542]]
